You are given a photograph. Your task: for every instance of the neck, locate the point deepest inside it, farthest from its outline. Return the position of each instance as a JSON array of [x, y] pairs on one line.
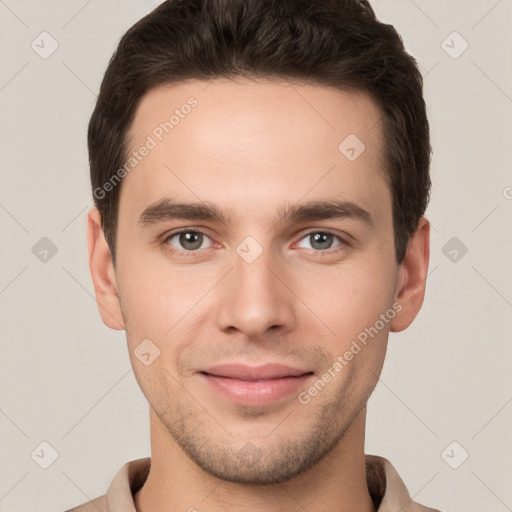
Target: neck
[[336, 482]]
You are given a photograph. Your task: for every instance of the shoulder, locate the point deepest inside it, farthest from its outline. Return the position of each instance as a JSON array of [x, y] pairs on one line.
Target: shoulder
[[416, 507], [423, 508], [387, 487], [98, 504]]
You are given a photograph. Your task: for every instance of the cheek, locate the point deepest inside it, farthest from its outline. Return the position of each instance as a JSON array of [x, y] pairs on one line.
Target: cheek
[[160, 308], [156, 299], [350, 297]]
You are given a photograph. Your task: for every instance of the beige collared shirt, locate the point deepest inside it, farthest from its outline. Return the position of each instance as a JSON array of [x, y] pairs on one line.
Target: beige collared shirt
[[386, 488]]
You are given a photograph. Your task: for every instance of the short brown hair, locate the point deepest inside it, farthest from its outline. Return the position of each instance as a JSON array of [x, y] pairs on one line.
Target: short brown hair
[[336, 43]]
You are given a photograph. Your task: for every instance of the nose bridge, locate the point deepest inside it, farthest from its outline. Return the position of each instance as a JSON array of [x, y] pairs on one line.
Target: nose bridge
[[255, 299]]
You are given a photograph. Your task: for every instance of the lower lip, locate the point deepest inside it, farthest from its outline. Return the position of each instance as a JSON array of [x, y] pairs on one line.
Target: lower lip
[[256, 393]]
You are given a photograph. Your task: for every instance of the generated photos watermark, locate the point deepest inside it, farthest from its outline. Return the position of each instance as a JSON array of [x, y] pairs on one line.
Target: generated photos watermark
[[341, 361], [152, 141]]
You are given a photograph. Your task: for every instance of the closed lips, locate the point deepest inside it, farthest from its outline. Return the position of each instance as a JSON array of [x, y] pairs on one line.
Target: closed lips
[[270, 371]]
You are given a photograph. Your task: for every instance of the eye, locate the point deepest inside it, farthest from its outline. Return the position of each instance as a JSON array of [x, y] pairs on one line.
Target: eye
[[188, 240], [321, 240]]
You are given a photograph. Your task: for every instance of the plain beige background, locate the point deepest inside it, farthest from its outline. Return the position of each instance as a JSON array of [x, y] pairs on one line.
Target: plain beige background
[[66, 379]]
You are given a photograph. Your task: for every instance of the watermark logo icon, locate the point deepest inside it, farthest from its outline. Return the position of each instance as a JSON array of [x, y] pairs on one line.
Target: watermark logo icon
[[44, 250], [44, 45], [351, 147], [454, 45], [146, 352], [44, 455], [454, 455], [454, 249], [249, 249], [249, 454]]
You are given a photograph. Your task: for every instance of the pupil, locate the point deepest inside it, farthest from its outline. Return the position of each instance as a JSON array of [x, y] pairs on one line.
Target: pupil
[[320, 238], [191, 240]]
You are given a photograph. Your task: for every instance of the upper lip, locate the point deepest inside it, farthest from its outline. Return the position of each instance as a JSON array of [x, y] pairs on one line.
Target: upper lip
[[244, 372]]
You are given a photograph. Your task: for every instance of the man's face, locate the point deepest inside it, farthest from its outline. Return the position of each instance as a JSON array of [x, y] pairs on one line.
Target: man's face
[[257, 287]]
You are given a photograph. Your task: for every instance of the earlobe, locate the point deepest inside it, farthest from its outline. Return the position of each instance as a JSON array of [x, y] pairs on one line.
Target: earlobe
[[103, 273], [412, 275]]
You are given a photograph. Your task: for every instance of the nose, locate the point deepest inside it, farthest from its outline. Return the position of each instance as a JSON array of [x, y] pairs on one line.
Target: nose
[[255, 298]]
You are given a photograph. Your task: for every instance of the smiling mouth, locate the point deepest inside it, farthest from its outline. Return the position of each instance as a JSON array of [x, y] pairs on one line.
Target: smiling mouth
[[255, 386], [256, 380]]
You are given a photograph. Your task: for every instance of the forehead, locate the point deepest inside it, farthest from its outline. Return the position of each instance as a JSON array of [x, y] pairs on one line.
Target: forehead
[[309, 113], [253, 141]]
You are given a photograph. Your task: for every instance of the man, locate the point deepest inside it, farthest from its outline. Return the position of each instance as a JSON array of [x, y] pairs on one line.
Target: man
[[260, 172]]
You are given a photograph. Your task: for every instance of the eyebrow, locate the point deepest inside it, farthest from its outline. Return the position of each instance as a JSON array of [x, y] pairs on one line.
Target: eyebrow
[[166, 209]]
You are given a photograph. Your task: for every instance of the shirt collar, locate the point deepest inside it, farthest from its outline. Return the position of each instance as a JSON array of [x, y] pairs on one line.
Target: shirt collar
[[386, 487]]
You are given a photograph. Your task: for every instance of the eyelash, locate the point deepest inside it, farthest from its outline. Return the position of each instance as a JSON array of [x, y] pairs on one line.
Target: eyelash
[[327, 252]]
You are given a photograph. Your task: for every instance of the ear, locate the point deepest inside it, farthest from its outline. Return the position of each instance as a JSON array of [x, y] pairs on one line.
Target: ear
[[103, 273], [412, 276]]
